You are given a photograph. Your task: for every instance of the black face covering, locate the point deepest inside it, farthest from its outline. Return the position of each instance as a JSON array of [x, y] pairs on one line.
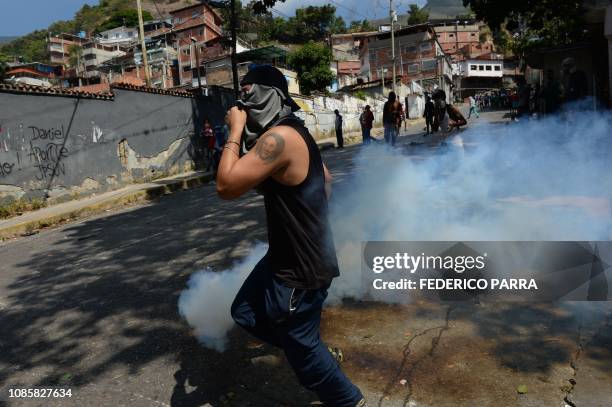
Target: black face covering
[[265, 106]]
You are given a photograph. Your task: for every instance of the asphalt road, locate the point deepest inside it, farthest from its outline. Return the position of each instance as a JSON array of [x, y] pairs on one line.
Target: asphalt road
[[92, 306]]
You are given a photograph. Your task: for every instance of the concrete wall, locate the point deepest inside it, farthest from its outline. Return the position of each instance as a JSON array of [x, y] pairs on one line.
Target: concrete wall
[[318, 113], [63, 147]]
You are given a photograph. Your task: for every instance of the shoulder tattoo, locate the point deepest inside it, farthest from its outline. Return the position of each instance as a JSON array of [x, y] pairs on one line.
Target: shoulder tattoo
[[270, 147]]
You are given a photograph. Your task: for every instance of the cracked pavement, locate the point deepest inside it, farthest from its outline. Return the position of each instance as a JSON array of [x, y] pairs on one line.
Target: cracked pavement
[[92, 306]]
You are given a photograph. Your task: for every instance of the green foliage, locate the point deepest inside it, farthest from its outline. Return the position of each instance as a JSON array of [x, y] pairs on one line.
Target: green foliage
[[312, 64], [360, 26], [534, 23], [360, 95], [417, 15], [19, 206], [502, 40], [129, 18], [90, 19], [312, 23], [30, 48]]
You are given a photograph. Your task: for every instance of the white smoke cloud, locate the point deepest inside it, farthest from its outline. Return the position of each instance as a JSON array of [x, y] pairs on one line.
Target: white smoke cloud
[[206, 303], [548, 179]]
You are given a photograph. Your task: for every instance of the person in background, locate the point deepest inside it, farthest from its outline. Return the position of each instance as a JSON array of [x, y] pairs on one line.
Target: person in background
[[338, 126], [551, 93], [208, 141], [390, 117], [428, 114], [473, 108], [366, 119], [447, 115]]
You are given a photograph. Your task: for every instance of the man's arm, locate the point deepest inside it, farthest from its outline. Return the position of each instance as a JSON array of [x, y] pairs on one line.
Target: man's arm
[[328, 181], [235, 175]]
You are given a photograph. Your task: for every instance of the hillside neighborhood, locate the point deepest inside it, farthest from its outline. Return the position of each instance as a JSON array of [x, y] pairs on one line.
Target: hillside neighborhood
[[187, 47]]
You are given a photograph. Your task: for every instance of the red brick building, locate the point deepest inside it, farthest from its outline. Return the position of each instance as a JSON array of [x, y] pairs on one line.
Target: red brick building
[[461, 40], [419, 58], [202, 24]]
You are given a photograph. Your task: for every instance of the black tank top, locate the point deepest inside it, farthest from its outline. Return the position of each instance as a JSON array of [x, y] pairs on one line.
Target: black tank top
[[301, 250]]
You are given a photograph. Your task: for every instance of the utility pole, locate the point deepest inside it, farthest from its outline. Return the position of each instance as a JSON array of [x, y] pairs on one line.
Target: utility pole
[[197, 52], [392, 15], [233, 56], [142, 45]]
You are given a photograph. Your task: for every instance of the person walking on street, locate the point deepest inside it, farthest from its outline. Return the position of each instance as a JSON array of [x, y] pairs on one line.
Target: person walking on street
[[281, 301], [473, 108], [428, 114], [338, 126], [390, 119], [366, 119]]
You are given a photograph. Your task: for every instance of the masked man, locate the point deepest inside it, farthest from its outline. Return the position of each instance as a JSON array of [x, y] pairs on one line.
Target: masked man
[[281, 300], [446, 116]]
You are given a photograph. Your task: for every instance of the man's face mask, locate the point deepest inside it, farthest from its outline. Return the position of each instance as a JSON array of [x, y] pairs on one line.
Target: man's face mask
[[264, 106]]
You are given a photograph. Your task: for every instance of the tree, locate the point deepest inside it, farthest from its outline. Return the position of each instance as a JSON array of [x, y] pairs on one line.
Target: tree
[[128, 18], [360, 26], [417, 15], [3, 66], [29, 48], [75, 56], [314, 23], [312, 64], [533, 23]]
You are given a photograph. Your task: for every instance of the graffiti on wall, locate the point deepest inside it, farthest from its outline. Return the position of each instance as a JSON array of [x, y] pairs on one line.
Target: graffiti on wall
[[42, 149]]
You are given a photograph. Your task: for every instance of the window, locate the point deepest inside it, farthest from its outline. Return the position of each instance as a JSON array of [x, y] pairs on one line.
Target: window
[[131, 33], [473, 67], [410, 49], [195, 13], [497, 68], [426, 46], [451, 35], [413, 68], [473, 34], [201, 32], [177, 20], [481, 67], [488, 67], [429, 64], [373, 56]]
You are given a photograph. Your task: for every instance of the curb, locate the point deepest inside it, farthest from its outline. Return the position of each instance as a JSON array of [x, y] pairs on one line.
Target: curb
[[31, 227]]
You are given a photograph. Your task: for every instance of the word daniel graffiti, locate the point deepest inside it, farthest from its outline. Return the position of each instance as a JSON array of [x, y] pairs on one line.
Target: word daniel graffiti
[[47, 134]]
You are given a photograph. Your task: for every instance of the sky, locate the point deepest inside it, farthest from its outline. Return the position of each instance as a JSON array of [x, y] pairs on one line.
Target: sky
[[20, 17], [23, 16]]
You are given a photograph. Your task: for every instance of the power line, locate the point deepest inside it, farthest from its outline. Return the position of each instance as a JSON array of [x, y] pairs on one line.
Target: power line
[[349, 9]]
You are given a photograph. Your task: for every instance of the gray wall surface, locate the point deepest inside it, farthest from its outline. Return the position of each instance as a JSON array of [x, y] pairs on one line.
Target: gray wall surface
[[62, 147]]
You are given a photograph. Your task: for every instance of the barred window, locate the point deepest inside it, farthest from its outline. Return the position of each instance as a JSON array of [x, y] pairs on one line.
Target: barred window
[[429, 64]]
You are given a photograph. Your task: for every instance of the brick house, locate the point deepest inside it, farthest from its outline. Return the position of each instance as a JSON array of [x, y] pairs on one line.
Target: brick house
[[201, 23], [419, 58]]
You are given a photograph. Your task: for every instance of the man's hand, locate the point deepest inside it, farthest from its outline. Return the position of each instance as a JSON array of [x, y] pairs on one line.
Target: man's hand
[[237, 119]]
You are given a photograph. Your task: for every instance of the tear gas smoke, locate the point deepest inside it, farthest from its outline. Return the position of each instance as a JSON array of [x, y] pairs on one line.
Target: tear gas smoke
[[206, 303], [548, 179]]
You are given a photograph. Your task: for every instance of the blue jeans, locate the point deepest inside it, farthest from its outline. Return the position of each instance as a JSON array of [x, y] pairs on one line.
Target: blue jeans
[[289, 318], [390, 133]]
